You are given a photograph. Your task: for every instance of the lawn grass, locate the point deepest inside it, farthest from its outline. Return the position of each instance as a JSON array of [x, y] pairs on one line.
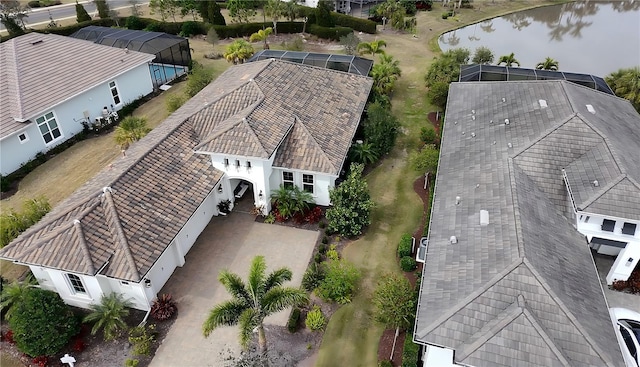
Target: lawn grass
[[351, 337]]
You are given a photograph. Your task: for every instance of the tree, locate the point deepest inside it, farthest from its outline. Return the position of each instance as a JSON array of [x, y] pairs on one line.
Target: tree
[[135, 8], [164, 8], [548, 64], [384, 74], [363, 152], [393, 11], [188, 7], [291, 10], [81, 13], [261, 36], [291, 200], [340, 281], [103, 8], [210, 12], [438, 93], [12, 295], [109, 316], [508, 60], [352, 204], [380, 128], [240, 10], [212, 36], [130, 130], [426, 160], [42, 323], [625, 83], [12, 14], [251, 302], [483, 55], [350, 43], [323, 13], [199, 77], [444, 70], [238, 51], [395, 303], [372, 48], [275, 9]]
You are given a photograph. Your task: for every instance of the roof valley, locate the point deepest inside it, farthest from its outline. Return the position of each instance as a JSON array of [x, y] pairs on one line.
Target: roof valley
[[121, 235]]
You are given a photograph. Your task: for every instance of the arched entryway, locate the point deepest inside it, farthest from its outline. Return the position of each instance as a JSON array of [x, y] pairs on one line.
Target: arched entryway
[[243, 195]]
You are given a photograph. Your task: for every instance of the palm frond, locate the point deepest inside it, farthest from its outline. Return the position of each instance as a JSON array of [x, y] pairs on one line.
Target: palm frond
[[279, 298], [255, 284], [247, 321], [227, 313], [276, 278], [234, 285]]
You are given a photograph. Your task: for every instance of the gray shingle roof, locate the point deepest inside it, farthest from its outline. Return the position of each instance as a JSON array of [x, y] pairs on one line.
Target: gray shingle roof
[[523, 290], [40, 70]]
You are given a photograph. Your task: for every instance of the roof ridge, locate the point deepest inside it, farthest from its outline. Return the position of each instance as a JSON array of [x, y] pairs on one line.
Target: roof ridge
[[601, 354], [516, 205], [122, 237], [465, 301], [542, 331], [14, 59], [604, 137], [313, 139], [545, 134], [83, 246], [602, 191]]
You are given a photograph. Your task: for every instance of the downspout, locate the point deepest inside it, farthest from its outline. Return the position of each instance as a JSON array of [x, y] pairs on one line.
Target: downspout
[[146, 316]]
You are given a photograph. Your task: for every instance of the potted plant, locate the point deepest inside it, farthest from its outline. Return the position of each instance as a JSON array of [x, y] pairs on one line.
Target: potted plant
[[224, 207]]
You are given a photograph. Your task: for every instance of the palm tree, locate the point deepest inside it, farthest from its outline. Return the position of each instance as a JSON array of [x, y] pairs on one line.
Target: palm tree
[[625, 83], [372, 48], [548, 64], [13, 294], [260, 297], [483, 55], [130, 130], [262, 35], [291, 200], [109, 315], [363, 153], [508, 60], [275, 9], [238, 51], [385, 74]]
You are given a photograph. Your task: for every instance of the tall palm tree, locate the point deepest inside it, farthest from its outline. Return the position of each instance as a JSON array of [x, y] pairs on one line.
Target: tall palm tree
[[130, 130], [109, 315], [508, 60], [548, 64], [262, 35], [372, 48], [275, 9], [625, 83], [260, 297], [238, 51], [385, 74]]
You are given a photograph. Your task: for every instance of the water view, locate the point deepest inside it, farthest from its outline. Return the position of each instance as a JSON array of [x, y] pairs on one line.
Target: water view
[[588, 37]]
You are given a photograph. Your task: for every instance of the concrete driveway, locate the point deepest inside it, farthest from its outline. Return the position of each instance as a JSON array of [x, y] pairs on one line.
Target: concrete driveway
[[229, 242]]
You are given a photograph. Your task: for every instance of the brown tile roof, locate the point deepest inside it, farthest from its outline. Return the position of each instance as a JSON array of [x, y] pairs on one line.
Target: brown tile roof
[[39, 71]]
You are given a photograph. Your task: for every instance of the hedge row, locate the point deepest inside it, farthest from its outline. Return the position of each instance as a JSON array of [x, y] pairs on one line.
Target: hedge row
[[357, 24], [332, 33], [70, 29]]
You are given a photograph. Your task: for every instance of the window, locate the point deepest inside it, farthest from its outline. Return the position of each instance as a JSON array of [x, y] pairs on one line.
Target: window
[[76, 284], [23, 138], [628, 340], [307, 183], [629, 228], [226, 162], [608, 225], [48, 127], [237, 163], [248, 165], [586, 220], [114, 92], [287, 180]]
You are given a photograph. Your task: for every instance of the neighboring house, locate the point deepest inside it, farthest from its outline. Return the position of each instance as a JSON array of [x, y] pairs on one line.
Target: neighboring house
[[261, 124], [51, 84], [508, 280]]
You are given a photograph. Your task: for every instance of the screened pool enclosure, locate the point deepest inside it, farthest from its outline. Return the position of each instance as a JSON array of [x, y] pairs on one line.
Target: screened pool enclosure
[[347, 63], [173, 55]]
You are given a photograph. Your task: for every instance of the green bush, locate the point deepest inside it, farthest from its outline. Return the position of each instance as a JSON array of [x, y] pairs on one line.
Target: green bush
[[445, 15], [330, 33], [13, 223], [315, 319], [333, 254], [189, 28], [385, 363], [352, 204], [199, 78], [5, 183], [131, 362], [357, 24], [141, 338], [136, 23], [292, 324], [174, 102], [404, 247], [313, 277], [410, 352], [408, 263], [42, 323], [340, 281]]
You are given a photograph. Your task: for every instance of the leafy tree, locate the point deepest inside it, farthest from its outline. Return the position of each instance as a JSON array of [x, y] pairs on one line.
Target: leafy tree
[[363, 152], [12, 295], [103, 8], [251, 302], [210, 12], [262, 35], [109, 316], [115, 16], [130, 130], [199, 77], [13, 223], [438, 93], [393, 11], [212, 36], [350, 43], [323, 13], [384, 74], [625, 83], [135, 8], [238, 51], [428, 136], [165, 8], [291, 10], [352, 204], [42, 323], [426, 160], [548, 64], [275, 9], [81, 13], [188, 7], [395, 303], [340, 281], [483, 55], [291, 200], [508, 60], [380, 128], [444, 70], [241, 10], [12, 14], [372, 48]]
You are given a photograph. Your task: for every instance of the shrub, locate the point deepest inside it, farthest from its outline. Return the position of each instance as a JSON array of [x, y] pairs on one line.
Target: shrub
[[189, 28], [163, 308], [42, 323], [404, 247], [380, 128], [445, 15], [352, 204], [426, 160], [134, 22], [131, 362], [408, 264], [292, 324], [357, 24], [313, 215], [81, 14], [325, 240], [340, 281], [199, 77], [109, 315], [333, 254], [410, 353], [270, 219], [296, 44], [313, 277], [315, 319], [174, 102], [41, 361], [428, 135], [34, 4], [5, 183], [141, 338], [385, 363], [13, 223], [619, 285], [330, 33]]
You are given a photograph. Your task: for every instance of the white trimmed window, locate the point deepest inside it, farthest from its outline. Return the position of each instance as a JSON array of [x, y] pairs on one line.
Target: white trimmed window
[[23, 138], [49, 127], [77, 287], [307, 183], [287, 179], [114, 93]]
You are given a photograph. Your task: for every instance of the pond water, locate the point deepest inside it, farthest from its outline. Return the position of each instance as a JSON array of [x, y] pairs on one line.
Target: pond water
[[586, 37]]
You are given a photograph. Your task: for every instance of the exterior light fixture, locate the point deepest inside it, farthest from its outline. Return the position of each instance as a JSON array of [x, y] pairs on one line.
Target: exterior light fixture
[[261, 195]]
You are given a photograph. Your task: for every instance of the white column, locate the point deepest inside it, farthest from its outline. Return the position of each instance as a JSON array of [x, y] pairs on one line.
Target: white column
[[625, 263]]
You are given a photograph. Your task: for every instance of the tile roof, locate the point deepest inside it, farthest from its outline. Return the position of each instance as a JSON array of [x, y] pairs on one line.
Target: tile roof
[[39, 71], [523, 290], [306, 115]]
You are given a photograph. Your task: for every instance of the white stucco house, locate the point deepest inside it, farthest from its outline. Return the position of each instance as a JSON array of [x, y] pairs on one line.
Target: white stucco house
[[259, 125], [51, 83]]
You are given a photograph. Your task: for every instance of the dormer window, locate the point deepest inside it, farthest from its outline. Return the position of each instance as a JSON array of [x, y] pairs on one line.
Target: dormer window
[[248, 165], [629, 229], [237, 163], [608, 225], [226, 162]]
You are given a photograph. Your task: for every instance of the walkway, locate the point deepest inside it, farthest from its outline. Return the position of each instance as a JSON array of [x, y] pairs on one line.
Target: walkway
[[614, 298], [228, 242]]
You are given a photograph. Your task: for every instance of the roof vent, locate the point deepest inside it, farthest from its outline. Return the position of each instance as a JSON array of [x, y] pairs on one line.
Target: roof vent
[[491, 121], [543, 103], [494, 142], [595, 183], [473, 117], [106, 188], [473, 112], [463, 133], [455, 122], [504, 99], [509, 145], [473, 135], [244, 119], [453, 239], [506, 121], [458, 200], [591, 109], [37, 42], [76, 221], [126, 50], [484, 218]]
